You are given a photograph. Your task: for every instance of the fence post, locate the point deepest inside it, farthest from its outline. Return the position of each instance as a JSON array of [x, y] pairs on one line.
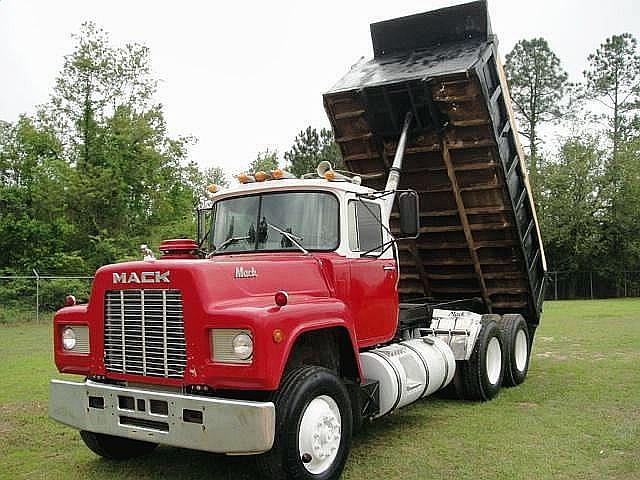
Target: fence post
[[555, 285], [591, 284], [35, 272], [625, 284]]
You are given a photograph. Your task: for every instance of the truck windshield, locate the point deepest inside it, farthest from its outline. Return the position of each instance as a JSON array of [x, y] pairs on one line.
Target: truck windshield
[[256, 222]]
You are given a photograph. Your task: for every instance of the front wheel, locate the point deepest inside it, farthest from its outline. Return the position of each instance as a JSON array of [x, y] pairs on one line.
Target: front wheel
[[313, 427], [116, 448]]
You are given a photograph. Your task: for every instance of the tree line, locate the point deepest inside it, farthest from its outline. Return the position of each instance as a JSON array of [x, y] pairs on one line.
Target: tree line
[[583, 146], [94, 173]]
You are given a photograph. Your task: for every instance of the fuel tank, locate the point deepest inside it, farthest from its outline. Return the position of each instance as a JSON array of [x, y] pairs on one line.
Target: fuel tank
[[409, 370]]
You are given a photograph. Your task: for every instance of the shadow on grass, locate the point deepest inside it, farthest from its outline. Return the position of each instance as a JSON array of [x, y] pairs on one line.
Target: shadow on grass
[[173, 463], [183, 464]]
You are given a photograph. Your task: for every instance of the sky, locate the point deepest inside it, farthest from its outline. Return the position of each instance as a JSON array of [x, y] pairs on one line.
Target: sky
[[246, 76]]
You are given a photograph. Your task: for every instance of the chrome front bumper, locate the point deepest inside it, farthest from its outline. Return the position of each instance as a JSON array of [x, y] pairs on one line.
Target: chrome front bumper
[[200, 423]]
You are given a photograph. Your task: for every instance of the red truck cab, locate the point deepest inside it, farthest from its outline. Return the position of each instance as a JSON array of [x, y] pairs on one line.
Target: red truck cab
[[296, 272], [336, 284]]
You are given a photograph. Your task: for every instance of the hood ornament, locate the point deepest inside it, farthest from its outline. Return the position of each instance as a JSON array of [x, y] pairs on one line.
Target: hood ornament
[[147, 253]]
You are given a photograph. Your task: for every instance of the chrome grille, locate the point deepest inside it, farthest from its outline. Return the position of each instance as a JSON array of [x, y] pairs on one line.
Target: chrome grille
[[144, 333]]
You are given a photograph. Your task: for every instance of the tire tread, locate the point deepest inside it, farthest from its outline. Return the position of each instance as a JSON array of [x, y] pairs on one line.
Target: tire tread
[[509, 324], [469, 382], [275, 463]]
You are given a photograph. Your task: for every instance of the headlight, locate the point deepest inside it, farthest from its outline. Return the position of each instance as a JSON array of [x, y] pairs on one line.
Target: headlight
[[242, 346], [68, 338], [231, 345], [75, 339]]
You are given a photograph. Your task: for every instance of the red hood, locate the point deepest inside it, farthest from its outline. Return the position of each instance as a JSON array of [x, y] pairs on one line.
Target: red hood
[[221, 279], [226, 291]]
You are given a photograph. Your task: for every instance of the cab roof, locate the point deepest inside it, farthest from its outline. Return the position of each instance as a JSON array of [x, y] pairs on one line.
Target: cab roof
[[291, 184]]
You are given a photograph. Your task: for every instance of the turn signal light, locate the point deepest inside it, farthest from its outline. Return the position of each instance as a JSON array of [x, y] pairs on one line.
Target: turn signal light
[[281, 298], [277, 336]]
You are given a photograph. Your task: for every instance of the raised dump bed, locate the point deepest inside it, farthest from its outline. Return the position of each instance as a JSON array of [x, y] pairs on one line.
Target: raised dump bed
[[479, 232]]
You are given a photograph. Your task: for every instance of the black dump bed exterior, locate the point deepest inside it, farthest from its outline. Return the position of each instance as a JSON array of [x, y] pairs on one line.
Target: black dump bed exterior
[[479, 233]]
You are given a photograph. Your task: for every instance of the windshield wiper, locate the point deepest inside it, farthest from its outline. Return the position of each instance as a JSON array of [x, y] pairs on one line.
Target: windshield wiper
[[292, 238], [229, 241]]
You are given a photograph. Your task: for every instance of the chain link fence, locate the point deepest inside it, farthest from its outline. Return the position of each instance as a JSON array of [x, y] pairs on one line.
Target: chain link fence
[[590, 285], [33, 297]]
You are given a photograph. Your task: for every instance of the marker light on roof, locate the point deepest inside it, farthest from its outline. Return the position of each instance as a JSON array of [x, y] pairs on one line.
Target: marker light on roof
[[260, 176], [279, 174], [212, 188], [330, 175], [244, 178]]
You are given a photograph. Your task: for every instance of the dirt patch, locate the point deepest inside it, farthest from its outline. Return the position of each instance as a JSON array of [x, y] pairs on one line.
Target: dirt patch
[[583, 355], [545, 354], [5, 430], [9, 410], [556, 356], [632, 355], [9, 413], [528, 405], [544, 339]]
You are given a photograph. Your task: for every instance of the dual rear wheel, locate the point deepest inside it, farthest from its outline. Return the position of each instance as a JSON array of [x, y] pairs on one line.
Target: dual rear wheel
[[500, 357], [518, 343]]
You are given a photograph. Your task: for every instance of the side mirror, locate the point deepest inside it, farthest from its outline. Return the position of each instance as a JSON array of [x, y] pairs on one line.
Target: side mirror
[[409, 206]]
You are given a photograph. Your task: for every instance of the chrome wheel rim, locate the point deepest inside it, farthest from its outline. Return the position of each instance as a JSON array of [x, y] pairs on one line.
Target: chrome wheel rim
[[521, 350], [319, 434], [494, 361]]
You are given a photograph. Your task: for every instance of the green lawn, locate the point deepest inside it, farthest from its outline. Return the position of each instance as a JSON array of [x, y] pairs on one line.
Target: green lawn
[[576, 416]]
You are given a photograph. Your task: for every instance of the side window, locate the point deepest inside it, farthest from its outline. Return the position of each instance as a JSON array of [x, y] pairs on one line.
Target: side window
[[353, 227], [366, 218]]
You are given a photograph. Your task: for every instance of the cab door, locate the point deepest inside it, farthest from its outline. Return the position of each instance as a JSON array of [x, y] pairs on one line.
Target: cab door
[[374, 274]]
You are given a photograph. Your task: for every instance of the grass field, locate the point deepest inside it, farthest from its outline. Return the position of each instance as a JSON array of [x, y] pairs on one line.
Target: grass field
[[576, 416]]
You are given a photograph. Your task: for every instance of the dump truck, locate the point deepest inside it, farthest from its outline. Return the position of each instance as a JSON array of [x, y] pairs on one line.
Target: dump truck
[[307, 307]]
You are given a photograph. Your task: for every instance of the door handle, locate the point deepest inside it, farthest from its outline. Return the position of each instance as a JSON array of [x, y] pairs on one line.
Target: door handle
[[389, 268]]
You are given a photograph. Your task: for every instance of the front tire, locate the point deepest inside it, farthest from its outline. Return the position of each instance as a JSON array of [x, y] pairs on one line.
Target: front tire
[[116, 448], [313, 427]]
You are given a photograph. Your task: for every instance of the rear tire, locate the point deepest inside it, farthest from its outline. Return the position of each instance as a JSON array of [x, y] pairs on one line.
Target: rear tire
[[116, 448], [480, 377], [518, 346], [313, 427]]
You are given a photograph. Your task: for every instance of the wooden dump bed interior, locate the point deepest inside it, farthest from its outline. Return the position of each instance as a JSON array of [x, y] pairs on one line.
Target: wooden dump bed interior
[[479, 236]]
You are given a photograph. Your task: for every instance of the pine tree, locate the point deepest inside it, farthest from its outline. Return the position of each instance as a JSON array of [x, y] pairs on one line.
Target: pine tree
[[537, 84]]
